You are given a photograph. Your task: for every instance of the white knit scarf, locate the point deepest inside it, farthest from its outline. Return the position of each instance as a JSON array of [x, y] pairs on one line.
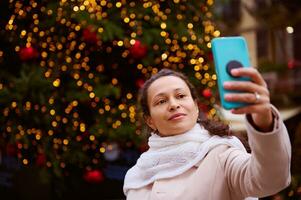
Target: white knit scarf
[[173, 155]]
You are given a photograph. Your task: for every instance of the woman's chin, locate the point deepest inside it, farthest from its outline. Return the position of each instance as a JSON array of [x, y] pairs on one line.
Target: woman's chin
[[178, 130]]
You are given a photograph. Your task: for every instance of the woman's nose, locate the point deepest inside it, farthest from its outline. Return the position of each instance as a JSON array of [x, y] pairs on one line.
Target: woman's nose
[[173, 105]]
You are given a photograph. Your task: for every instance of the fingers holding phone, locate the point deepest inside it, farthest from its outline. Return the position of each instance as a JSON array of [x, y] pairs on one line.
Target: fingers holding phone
[[250, 92], [253, 93]]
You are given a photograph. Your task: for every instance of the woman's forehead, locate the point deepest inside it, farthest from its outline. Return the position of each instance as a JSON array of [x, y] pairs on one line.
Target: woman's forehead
[[166, 84]]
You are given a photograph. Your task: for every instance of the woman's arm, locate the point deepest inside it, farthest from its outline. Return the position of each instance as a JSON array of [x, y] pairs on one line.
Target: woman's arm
[[266, 170]]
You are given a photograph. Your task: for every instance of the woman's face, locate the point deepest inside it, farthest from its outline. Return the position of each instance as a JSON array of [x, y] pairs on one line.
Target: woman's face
[[172, 108]]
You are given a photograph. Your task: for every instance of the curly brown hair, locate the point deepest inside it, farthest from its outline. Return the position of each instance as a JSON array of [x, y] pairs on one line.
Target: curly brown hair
[[214, 127]]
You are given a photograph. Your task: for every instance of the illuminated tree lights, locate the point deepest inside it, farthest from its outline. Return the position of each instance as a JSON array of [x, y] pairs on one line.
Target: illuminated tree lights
[[78, 67]]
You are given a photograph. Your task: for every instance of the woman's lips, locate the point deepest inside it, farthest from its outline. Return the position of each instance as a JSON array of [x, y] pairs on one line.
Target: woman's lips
[[177, 116]]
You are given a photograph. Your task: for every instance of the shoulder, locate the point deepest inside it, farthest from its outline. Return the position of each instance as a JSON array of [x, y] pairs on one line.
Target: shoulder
[[225, 149], [225, 155], [224, 152]]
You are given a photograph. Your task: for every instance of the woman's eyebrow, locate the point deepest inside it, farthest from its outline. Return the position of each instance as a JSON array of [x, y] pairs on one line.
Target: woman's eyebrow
[[163, 93]]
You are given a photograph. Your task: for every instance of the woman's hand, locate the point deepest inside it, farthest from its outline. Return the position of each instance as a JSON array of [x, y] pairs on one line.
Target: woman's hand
[[255, 93]]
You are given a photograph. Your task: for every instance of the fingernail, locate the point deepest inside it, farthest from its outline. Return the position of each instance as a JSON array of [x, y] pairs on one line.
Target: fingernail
[[227, 84]]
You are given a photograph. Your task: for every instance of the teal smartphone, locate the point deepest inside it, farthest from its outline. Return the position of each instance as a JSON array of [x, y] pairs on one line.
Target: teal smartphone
[[229, 53]]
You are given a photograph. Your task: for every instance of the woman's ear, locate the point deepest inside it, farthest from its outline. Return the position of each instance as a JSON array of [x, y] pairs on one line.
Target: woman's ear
[[149, 121]]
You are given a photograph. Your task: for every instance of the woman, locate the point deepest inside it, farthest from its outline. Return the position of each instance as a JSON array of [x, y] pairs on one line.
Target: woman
[[193, 158]]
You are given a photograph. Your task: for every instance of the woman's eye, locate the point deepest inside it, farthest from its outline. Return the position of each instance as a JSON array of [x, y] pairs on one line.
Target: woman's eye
[[181, 96], [161, 101]]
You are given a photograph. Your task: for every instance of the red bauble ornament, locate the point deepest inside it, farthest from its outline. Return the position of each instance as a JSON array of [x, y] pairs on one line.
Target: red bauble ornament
[[140, 83], [28, 53], [90, 36], [207, 93], [41, 159], [93, 176], [138, 50]]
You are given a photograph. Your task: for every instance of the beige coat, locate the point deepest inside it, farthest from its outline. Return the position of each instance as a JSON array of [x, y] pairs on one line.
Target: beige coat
[[229, 173]]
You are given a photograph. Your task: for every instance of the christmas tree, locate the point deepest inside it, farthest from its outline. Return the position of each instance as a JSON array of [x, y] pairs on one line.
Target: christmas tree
[[71, 71]]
